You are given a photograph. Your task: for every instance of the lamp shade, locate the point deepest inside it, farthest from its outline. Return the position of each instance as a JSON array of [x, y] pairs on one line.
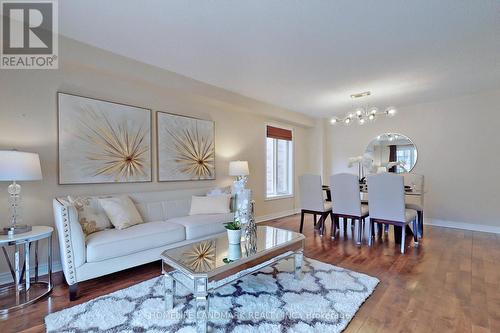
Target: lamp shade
[[238, 168], [18, 165]]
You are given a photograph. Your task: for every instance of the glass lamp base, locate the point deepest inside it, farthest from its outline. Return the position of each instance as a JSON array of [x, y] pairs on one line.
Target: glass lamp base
[[15, 229]]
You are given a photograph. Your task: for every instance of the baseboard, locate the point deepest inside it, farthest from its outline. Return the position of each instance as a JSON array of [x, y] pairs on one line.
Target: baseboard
[[462, 225], [278, 215], [6, 277]]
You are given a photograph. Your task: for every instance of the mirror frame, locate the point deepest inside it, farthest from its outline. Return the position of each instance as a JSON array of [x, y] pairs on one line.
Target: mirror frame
[[402, 135]]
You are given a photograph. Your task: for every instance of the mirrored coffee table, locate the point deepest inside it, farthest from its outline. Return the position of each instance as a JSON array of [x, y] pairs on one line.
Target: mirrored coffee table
[[203, 266]]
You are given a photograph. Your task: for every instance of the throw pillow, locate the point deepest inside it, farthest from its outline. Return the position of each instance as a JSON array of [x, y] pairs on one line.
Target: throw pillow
[[218, 191], [218, 204], [121, 211], [89, 218]]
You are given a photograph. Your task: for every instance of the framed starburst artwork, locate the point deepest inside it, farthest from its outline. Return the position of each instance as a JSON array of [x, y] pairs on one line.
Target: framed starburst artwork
[[102, 142], [186, 148]]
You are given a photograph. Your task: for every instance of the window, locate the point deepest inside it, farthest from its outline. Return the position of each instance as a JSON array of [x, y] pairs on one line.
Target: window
[[279, 162], [405, 154]]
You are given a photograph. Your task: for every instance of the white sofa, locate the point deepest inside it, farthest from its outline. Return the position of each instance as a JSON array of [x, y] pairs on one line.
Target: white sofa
[[167, 225]]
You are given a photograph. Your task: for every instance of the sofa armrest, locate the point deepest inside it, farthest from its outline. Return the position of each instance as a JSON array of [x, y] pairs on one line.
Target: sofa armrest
[[71, 239]]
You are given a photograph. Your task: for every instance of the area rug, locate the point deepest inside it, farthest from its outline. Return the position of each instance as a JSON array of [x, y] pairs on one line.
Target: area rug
[[271, 300]]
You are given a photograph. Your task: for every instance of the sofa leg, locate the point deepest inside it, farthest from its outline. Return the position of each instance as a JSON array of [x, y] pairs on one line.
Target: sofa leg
[[73, 292]]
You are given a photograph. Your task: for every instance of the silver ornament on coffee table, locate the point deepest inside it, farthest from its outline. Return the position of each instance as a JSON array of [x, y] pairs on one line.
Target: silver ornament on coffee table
[[251, 232]]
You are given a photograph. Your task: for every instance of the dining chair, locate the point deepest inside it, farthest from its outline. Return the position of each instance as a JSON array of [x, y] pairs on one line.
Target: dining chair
[[312, 201], [344, 188], [416, 202], [387, 204]]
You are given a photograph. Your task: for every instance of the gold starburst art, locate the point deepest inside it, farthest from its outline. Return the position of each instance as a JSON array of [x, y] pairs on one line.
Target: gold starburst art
[[194, 154], [201, 257], [103, 142], [119, 151], [186, 148]]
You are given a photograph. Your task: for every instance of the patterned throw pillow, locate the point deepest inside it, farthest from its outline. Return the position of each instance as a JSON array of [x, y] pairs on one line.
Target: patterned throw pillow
[[89, 217]]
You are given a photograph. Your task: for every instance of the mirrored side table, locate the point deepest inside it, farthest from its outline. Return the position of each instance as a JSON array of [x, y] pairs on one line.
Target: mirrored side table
[[25, 290]]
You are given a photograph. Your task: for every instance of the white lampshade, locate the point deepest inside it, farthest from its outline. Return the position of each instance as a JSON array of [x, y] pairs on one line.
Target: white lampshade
[[19, 166], [238, 168]]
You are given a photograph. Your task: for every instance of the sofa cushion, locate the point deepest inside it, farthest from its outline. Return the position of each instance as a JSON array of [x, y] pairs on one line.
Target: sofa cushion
[[202, 225], [215, 204], [121, 211], [113, 243]]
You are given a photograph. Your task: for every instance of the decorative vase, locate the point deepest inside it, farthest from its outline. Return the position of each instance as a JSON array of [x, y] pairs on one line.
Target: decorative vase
[[234, 236], [251, 232], [243, 198], [234, 252]]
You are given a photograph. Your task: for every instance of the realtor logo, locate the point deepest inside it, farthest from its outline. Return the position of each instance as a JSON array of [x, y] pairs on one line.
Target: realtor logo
[[29, 35]]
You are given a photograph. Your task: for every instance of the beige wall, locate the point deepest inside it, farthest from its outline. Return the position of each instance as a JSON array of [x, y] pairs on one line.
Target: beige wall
[[458, 142], [28, 121], [455, 138]]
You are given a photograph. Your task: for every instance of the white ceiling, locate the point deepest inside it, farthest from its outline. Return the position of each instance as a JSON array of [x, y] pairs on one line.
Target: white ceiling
[[309, 55]]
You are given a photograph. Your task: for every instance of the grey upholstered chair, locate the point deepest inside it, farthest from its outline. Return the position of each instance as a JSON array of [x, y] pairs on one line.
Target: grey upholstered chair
[[416, 202], [387, 204], [311, 200], [345, 193]]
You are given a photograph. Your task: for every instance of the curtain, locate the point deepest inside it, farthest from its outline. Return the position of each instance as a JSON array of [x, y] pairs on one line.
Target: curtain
[[392, 157]]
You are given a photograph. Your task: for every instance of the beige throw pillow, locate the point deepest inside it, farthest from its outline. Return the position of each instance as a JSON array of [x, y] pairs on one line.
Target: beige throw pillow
[[218, 191], [89, 217], [218, 204], [121, 211]]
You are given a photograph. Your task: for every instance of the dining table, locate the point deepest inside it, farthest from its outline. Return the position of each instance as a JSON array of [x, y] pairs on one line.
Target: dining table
[[363, 189]]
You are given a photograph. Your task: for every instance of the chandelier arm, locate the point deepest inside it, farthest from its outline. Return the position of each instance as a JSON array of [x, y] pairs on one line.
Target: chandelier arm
[[364, 115]]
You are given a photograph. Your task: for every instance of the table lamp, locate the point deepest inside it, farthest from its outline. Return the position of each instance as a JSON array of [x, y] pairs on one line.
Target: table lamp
[[243, 196], [17, 166], [239, 169]]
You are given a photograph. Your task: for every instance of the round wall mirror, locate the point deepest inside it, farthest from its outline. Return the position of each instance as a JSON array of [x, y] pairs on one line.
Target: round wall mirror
[[392, 152]]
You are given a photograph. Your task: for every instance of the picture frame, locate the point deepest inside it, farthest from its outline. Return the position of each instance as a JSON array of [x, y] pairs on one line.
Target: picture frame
[[101, 141], [185, 148]]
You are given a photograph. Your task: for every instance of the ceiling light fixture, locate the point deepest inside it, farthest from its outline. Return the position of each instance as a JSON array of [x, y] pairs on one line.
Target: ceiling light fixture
[[361, 94], [363, 114]]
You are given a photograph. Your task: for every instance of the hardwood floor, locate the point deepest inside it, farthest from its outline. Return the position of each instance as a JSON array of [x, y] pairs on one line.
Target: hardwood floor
[[450, 283]]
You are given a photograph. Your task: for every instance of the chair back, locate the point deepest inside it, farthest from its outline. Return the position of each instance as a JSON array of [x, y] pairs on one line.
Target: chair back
[[387, 197], [345, 194], [311, 193], [416, 182]]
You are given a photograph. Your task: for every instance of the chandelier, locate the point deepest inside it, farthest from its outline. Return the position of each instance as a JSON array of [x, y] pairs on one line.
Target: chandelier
[[363, 114]]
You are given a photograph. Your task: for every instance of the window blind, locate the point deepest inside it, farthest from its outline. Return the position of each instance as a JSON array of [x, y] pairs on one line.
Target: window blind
[[279, 133]]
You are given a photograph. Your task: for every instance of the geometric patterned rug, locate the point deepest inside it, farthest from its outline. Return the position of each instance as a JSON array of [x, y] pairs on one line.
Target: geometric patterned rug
[[268, 301]]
